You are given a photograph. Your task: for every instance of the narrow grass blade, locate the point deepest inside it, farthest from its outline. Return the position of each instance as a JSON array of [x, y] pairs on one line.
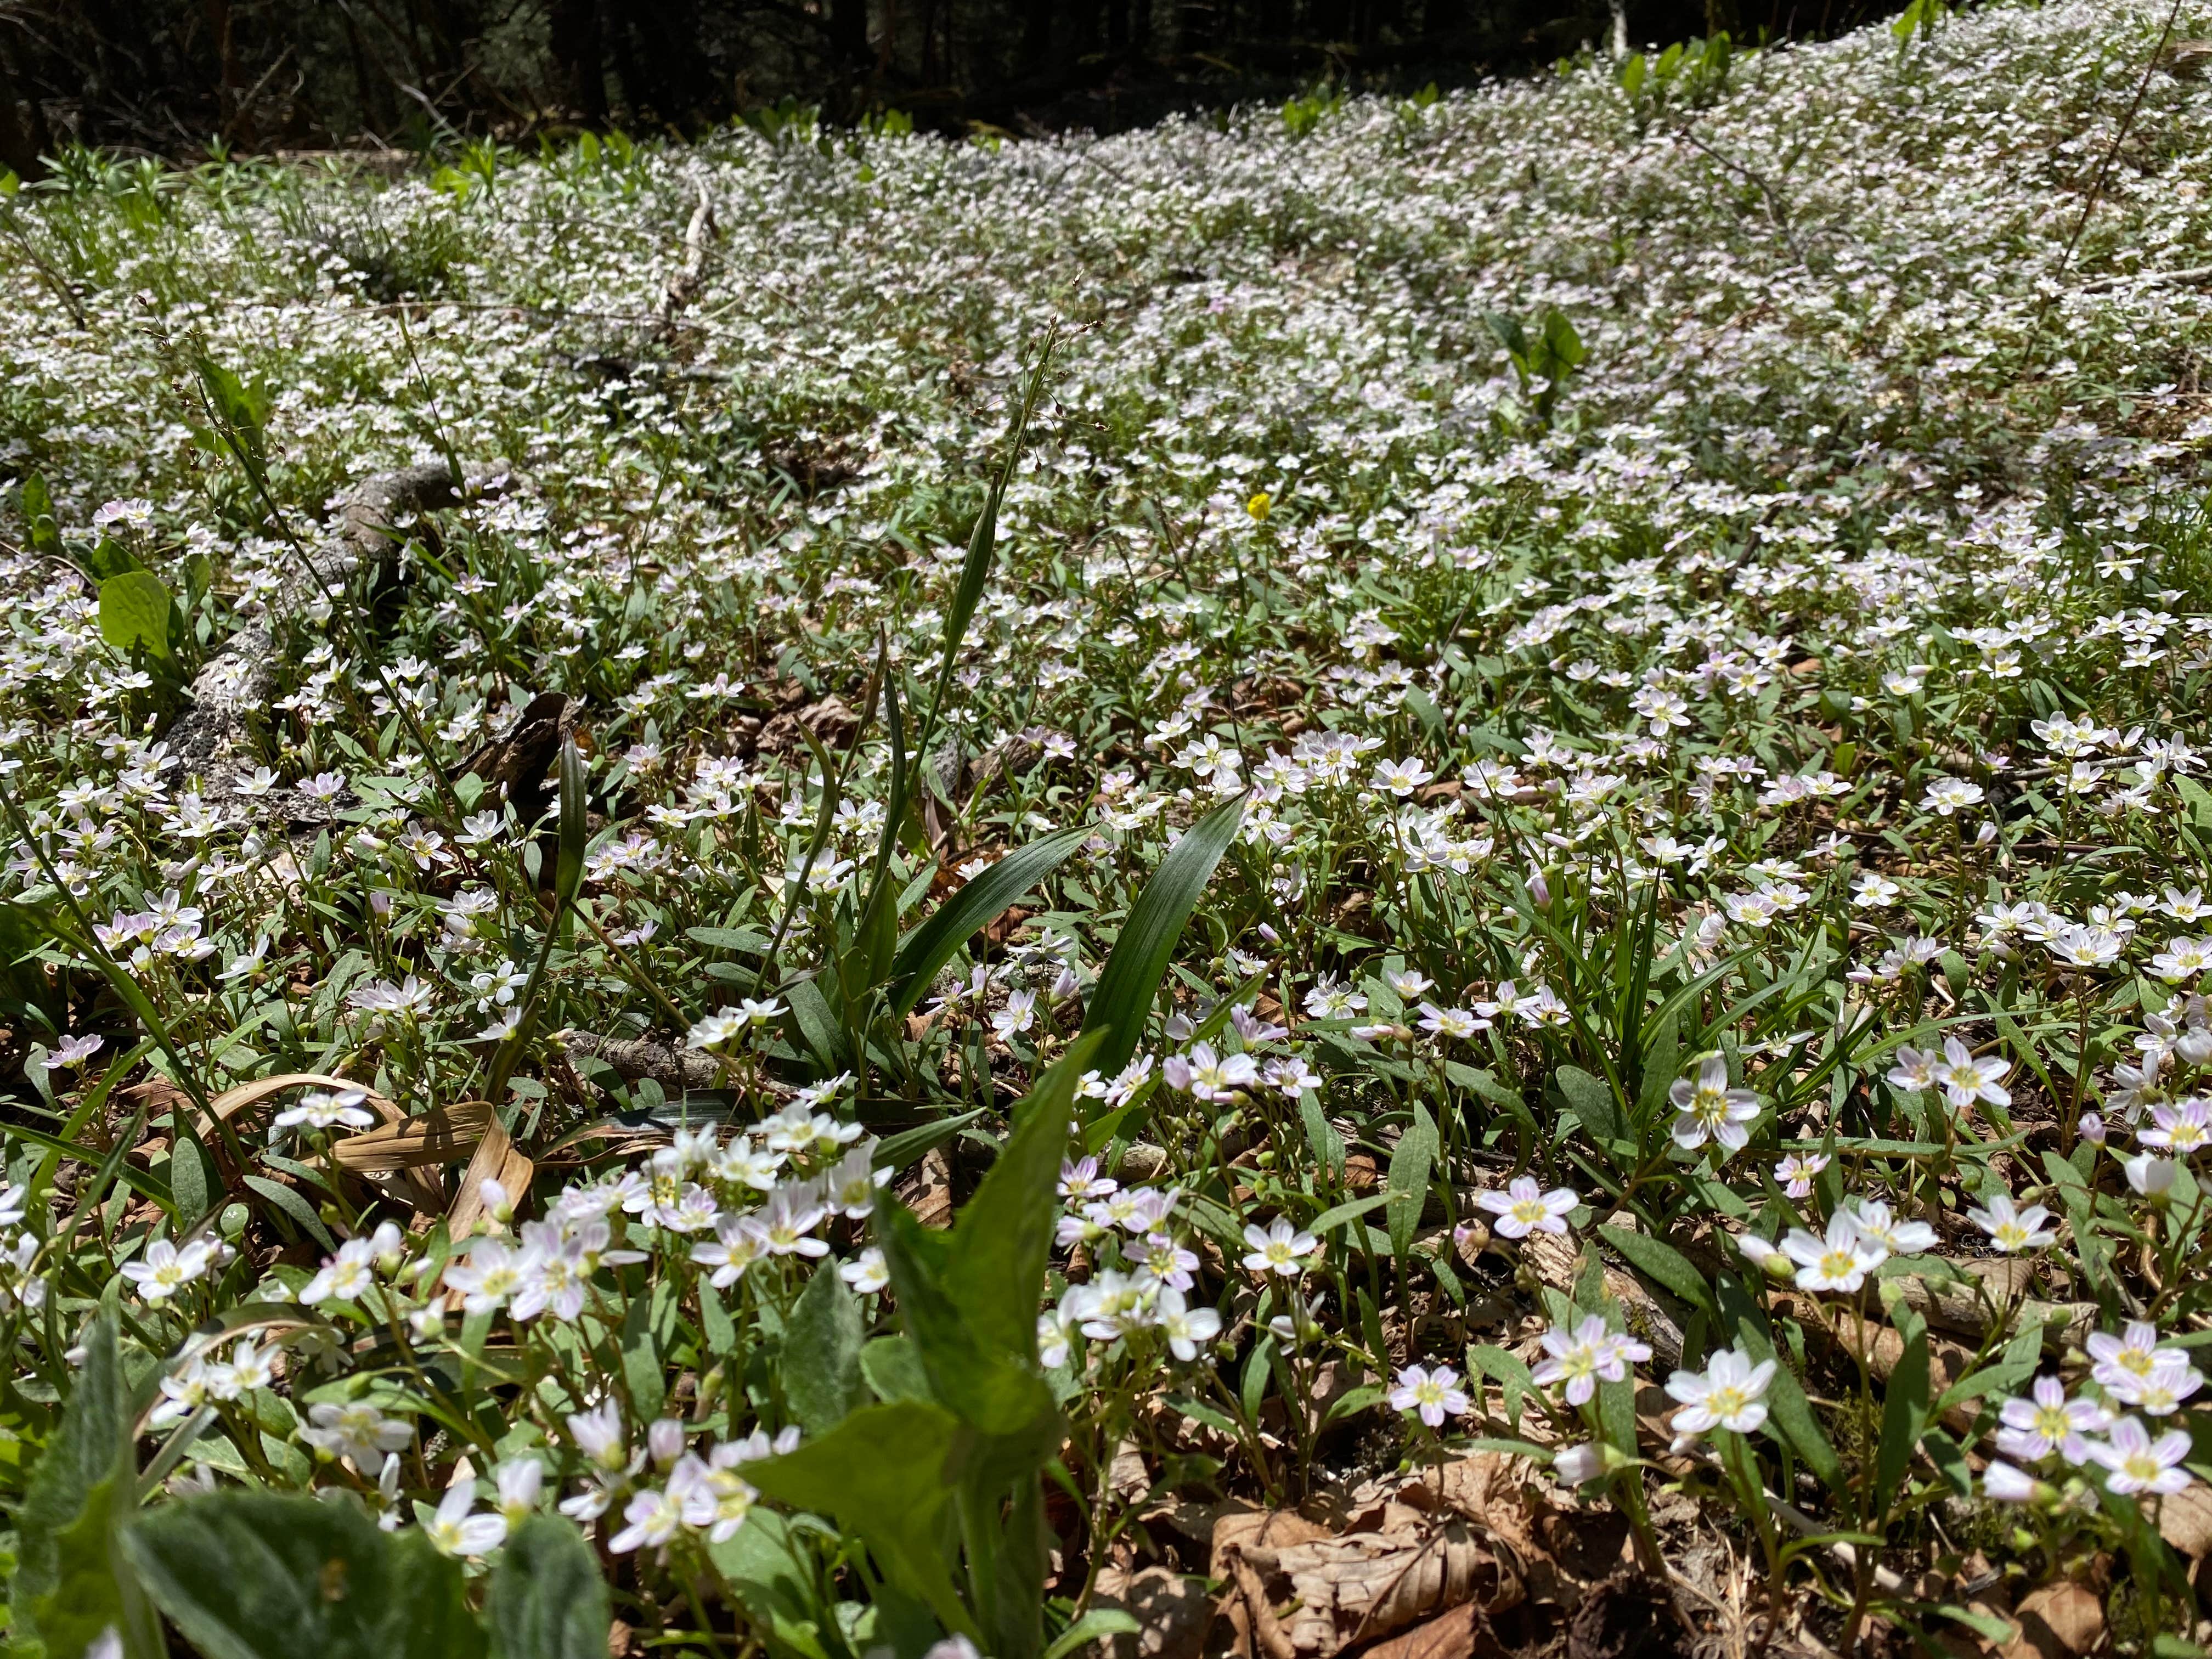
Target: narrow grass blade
[[1123, 999], [976, 569], [929, 947]]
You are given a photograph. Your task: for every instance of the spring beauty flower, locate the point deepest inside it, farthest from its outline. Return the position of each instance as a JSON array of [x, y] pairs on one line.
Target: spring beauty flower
[[1838, 1261], [1589, 1355], [1730, 1393], [1706, 1109], [1524, 1207], [1281, 1249], [1431, 1395]]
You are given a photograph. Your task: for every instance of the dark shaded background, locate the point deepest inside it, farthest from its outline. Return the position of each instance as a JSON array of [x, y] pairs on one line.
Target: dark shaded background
[[181, 78]]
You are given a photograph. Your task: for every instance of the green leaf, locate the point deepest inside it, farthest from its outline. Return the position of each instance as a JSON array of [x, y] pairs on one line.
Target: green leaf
[[878, 933], [1098, 1623], [1790, 1414], [893, 1368], [969, 1298], [896, 1151], [574, 826], [287, 1199], [749, 940], [1330, 1219], [885, 1472], [259, 1575], [1904, 1410], [38, 514], [73, 1504], [1121, 1002], [817, 1025], [240, 408], [192, 1179], [929, 947], [546, 1599], [1506, 1369], [1407, 1184], [822, 1353], [98, 1591], [134, 611], [772, 1575], [648, 1332], [1591, 1100], [1663, 1264], [976, 569]]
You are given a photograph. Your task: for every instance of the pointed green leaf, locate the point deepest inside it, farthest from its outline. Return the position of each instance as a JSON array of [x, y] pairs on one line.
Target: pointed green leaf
[[885, 1472], [929, 947], [1663, 1264], [1121, 1002], [84, 1466]]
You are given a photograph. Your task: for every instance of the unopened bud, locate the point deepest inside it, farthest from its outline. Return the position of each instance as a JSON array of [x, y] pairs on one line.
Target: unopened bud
[[665, 1440]]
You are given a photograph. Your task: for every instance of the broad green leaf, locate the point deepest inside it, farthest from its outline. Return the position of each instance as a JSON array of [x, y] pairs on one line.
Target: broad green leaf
[[98, 1591], [192, 1179], [74, 1502], [260, 1575], [813, 1020], [1121, 1002], [649, 1333], [929, 947], [969, 1298], [772, 1576], [886, 1473], [822, 1351], [295, 1207], [1663, 1264], [893, 1368], [546, 1599], [749, 940], [134, 611]]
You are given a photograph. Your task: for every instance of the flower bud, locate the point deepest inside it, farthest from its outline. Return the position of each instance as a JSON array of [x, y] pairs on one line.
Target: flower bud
[[2150, 1175], [665, 1440], [1540, 889], [1575, 1465]]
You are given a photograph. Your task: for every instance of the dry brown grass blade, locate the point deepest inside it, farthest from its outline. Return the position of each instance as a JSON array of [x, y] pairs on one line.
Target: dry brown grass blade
[[231, 1101], [496, 1159], [447, 1134]]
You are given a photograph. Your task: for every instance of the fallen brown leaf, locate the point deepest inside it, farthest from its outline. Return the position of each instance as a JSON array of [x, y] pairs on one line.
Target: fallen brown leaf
[[1351, 1589], [2058, 1621], [2185, 1520], [1172, 1611], [1448, 1635]]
